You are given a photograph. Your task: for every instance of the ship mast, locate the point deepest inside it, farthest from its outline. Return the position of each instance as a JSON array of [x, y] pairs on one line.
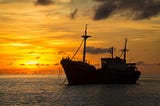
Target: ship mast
[[125, 49], [85, 36], [112, 52]]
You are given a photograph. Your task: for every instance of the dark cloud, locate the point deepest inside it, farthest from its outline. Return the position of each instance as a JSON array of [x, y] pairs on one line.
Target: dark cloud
[[122, 50], [38, 64], [94, 50], [104, 10], [59, 53], [14, 1], [31, 52], [147, 64], [140, 63], [134, 9], [73, 14], [38, 57], [11, 63], [22, 64], [158, 64], [56, 64], [44, 2]]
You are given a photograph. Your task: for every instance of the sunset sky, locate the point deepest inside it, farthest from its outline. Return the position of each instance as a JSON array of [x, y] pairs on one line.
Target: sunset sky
[[36, 34]]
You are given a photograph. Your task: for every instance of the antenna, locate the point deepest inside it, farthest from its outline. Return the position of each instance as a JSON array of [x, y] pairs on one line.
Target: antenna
[[125, 49]]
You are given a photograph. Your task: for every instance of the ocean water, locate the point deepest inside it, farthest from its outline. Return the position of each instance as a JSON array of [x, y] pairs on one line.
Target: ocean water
[[43, 90]]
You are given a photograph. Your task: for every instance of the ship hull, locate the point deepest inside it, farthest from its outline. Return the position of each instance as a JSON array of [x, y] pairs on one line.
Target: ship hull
[[82, 73]]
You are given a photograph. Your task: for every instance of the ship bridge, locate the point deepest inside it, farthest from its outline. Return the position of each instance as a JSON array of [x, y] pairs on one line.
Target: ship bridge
[[116, 64]]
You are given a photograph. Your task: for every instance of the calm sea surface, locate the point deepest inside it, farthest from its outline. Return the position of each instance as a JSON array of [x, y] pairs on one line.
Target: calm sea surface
[[43, 90]]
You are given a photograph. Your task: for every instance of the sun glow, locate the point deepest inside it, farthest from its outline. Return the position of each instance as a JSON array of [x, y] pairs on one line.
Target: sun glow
[[32, 63]]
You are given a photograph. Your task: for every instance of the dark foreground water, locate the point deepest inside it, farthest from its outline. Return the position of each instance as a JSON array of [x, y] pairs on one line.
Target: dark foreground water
[[42, 90]]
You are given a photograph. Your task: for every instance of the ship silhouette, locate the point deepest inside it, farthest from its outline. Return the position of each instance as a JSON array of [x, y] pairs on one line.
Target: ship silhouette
[[113, 70]]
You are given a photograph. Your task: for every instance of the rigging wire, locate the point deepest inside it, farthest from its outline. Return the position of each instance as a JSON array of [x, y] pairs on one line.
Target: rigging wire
[[59, 75], [77, 49], [121, 54], [64, 81], [60, 80]]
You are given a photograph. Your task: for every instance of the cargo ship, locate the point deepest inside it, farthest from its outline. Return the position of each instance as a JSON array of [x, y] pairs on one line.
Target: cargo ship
[[114, 70]]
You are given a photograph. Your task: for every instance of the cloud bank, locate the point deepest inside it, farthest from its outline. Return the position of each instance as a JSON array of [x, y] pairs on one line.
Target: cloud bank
[[94, 50], [73, 14], [134, 9], [44, 2]]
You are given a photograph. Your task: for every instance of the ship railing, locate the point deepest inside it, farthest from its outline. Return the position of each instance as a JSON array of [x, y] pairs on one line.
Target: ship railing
[[76, 59], [68, 58], [132, 66]]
